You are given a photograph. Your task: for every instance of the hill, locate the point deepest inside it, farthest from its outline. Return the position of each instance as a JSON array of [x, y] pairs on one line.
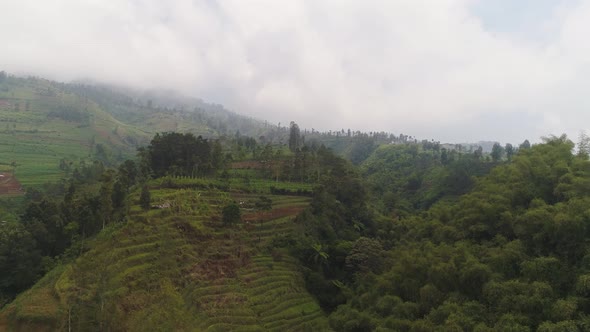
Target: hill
[[416, 239], [179, 268], [124, 252], [47, 128], [241, 233]]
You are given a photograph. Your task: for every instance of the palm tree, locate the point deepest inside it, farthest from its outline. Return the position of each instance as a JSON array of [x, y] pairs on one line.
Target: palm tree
[[319, 257]]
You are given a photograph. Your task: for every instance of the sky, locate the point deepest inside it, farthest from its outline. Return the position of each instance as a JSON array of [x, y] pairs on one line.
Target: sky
[[451, 70]]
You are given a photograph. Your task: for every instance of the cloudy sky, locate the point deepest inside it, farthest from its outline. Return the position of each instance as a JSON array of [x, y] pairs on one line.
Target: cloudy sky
[[453, 70]]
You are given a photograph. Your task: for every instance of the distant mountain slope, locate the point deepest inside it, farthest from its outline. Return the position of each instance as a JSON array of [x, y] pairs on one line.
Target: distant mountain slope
[[47, 126]]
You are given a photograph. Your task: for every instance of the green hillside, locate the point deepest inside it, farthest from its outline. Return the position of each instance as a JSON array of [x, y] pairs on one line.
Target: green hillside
[[179, 268], [246, 233], [43, 124], [46, 127], [181, 261]]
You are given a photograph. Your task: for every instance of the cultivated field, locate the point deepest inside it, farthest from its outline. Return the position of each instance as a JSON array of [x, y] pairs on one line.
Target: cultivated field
[[181, 261]]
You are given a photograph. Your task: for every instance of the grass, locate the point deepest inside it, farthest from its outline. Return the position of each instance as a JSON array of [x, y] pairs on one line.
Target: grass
[[38, 308]]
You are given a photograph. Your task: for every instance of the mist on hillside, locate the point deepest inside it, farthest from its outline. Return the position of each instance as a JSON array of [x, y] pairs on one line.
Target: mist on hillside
[[222, 165], [453, 70]]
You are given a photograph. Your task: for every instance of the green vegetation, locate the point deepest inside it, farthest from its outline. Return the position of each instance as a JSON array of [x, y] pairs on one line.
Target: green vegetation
[[46, 127], [198, 248], [231, 214], [182, 261], [231, 232], [509, 254], [417, 238]]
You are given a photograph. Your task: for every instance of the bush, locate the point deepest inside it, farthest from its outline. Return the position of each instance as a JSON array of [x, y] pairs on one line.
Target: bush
[[231, 214]]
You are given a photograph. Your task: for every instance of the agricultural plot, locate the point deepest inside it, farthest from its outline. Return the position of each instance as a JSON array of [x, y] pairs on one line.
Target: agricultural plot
[[265, 288], [39, 128], [9, 185], [181, 261], [248, 185]]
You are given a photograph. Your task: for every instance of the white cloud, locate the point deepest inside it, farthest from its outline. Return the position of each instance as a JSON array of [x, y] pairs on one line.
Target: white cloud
[[427, 68]]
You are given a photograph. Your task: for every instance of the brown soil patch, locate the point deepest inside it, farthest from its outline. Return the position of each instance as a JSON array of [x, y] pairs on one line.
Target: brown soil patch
[[9, 185], [218, 267], [252, 164], [5, 104]]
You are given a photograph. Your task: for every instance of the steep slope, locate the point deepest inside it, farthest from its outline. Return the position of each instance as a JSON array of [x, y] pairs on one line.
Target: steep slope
[[179, 268]]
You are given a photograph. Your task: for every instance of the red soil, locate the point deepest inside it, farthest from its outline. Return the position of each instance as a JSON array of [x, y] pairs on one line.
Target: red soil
[[9, 185]]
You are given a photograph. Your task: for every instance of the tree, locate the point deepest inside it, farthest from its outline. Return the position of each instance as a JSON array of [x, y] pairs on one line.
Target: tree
[[444, 157], [179, 154], [263, 204], [497, 152], [127, 174], [319, 256], [231, 214], [145, 198], [366, 255], [19, 259], [525, 145], [583, 145], [478, 153], [509, 149], [106, 197], [361, 149], [294, 137]]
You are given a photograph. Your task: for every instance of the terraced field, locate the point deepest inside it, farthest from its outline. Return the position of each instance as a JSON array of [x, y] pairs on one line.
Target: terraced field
[[179, 268], [267, 289], [42, 124]]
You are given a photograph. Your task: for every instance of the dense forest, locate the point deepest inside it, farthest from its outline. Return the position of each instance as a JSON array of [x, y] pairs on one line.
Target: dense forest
[[505, 251], [389, 233]]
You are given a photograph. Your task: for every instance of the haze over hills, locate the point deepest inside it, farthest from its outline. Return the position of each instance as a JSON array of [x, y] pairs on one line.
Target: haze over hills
[[47, 125], [147, 210], [318, 185], [453, 70]]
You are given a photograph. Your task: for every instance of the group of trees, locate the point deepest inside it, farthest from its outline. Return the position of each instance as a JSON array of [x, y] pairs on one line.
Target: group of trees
[[418, 238], [55, 222], [182, 155], [507, 251], [407, 178]]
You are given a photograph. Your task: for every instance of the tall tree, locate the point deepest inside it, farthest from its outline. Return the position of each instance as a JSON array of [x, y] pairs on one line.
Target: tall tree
[[478, 153], [294, 136], [145, 198], [525, 145], [583, 144], [106, 197], [509, 149], [497, 152]]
